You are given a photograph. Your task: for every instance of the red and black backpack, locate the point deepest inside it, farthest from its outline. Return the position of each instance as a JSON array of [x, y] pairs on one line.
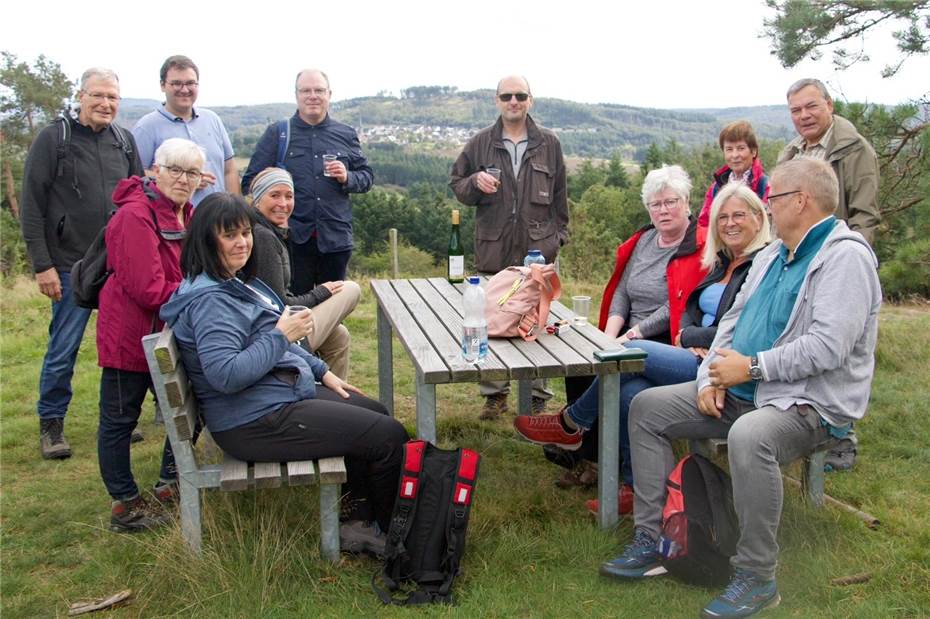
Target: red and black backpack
[[699, 524], [426, 539]]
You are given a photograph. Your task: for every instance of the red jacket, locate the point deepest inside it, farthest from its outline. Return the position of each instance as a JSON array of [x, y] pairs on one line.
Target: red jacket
[[683, 273], [758, 182], [145, 270]]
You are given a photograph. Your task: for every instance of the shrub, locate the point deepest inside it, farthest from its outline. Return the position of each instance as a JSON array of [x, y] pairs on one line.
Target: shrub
[[908, 272], [13, 258]]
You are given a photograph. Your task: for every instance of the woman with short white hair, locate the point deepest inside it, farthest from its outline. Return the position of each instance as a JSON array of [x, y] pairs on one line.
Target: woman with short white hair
[[143, 256]]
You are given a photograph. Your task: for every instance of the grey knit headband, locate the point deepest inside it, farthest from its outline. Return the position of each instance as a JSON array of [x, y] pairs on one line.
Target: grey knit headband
[[268, 179]]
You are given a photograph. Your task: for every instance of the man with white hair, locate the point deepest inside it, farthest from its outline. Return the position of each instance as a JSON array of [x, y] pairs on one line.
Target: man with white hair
[[71, 170], [790, 369]]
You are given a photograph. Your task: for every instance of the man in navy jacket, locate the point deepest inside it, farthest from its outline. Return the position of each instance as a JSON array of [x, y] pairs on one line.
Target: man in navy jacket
[[321, 225]]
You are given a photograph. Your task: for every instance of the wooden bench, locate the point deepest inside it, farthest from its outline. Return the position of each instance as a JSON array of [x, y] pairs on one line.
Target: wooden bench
[[812, 476], [179, 409]]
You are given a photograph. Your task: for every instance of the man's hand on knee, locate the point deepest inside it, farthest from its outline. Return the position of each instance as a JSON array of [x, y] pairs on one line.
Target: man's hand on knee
[[710, 401]]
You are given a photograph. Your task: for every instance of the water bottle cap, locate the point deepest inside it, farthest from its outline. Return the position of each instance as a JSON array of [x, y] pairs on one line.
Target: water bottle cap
[[474, 280], [535, 252]]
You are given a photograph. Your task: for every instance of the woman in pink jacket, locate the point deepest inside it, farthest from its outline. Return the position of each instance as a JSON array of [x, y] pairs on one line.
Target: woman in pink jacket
[[143, 256], [741, 154]]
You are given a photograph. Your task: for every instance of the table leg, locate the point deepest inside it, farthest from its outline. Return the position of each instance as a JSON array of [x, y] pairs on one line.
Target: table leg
[[524, 397], [608, 397], [426, 411], [385, 363]]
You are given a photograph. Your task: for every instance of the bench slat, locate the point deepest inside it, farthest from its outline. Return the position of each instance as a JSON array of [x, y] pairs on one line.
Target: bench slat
[[184, 419], [332, 470], [235, 475], [301, 473], [177, 386], [166, 351], [267, 474]]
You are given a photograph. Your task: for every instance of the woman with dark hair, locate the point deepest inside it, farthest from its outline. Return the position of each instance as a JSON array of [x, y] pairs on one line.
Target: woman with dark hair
[[273, 197], [257, 389], [143, 247], [741, 153]]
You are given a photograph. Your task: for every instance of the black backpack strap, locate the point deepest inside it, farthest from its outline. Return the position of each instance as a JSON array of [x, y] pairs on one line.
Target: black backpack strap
[[62, 149], [465, 478], [124, 142], [719, 490], [283, 129]]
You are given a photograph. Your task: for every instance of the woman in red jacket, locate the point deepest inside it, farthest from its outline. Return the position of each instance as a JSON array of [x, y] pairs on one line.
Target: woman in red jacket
[[143, 255]]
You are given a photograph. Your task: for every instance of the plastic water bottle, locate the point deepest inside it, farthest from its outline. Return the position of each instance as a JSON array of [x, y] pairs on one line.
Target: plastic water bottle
[[475, 328], [534, 257]]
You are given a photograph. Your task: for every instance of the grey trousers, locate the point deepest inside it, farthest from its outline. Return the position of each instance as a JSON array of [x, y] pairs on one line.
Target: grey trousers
[[758, 441]]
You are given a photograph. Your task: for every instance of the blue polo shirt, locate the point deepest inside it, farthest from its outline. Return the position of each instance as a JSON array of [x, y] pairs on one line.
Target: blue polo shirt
[[767, 311], [204, 129]]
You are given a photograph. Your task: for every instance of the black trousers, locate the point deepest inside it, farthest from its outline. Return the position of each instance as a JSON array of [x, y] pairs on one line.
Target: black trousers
[[359, 429], [310, 268]]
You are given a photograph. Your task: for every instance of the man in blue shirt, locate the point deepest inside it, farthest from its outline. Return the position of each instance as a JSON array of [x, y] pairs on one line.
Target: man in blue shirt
[[325, 159], [177, 118], [790, 369]]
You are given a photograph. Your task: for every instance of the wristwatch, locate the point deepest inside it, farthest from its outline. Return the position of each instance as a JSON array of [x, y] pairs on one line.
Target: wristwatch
[[755, 371]]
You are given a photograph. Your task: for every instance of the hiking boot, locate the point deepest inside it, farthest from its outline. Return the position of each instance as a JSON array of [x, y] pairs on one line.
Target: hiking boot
[[624, 501], [52, 440], [639, 559], [582, 475], [547, 430], [136, 514], [495, 405], [537, 405], [747, 594], [166, 493], [136, 436], [358, 536], [841, 457]]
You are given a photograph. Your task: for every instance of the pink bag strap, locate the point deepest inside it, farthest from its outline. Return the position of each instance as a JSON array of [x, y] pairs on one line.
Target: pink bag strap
[[550, 287]]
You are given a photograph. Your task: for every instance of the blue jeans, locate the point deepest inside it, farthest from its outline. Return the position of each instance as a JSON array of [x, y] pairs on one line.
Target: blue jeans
[[665, 365], [121, 396], [65, 332]]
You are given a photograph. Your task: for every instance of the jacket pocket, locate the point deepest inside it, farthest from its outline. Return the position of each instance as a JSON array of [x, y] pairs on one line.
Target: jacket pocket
[[540, 184]]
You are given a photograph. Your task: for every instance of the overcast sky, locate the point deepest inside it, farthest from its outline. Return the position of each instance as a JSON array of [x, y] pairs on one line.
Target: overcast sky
[[661, 53]]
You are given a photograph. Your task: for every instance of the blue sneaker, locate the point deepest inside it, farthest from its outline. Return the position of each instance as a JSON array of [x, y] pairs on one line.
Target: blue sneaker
[[746, 595], [640, 559]]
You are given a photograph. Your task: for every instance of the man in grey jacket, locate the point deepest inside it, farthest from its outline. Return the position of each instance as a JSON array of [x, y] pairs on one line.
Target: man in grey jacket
[[790, 369]]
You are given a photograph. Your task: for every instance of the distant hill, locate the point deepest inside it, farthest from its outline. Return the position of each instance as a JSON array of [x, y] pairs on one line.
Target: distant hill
[[439, 118]]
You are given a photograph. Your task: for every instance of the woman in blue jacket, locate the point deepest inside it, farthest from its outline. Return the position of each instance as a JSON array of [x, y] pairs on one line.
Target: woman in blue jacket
[[258, 390]]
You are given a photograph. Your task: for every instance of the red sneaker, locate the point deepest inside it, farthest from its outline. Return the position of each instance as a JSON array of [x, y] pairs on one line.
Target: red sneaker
[[624, 501], [546, 430]]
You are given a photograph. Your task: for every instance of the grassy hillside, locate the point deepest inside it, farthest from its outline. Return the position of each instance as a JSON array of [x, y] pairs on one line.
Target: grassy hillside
[[532, 549]]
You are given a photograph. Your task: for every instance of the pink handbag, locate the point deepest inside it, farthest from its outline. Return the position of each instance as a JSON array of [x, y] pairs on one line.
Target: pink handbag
[[518, 300]]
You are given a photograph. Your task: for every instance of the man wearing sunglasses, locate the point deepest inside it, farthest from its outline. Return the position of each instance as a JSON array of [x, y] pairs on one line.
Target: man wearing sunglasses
[[513, 173], [177, 118], [71, 170]]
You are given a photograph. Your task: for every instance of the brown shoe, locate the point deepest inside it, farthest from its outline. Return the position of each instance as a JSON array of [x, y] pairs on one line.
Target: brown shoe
[[494, 406], [583, 475], [52, 441], [538, 406], [136, 514]]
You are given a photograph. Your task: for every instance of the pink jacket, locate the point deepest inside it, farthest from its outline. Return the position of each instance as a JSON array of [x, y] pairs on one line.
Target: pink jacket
[[145, 270]]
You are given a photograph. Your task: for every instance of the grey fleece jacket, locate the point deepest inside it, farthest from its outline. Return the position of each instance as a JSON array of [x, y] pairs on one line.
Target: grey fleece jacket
[[826, 355]]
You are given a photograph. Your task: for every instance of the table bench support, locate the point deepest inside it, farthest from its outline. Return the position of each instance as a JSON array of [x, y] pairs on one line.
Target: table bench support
[[525, 397], [329, 521], [426, 411], [385, 363], [608, 457]]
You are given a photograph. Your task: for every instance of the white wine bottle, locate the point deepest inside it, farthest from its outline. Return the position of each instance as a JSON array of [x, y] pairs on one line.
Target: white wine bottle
[[456, 263]]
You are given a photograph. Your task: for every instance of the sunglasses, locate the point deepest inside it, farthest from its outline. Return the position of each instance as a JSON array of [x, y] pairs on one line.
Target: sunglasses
[[507, 96]]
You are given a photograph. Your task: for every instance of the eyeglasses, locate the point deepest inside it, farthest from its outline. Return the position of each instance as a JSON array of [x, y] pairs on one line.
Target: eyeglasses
[[507, 96], [306, 92], [190, 84], [738, 217], [176, 172], [99, 96], [670, 204], [782, 194]]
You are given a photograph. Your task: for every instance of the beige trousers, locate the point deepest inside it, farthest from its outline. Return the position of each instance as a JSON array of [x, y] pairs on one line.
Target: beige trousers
[[330, 339]]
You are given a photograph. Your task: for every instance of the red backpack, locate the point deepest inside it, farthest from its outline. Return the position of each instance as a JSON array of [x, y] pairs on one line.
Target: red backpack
[[699, 524], [518, 300]]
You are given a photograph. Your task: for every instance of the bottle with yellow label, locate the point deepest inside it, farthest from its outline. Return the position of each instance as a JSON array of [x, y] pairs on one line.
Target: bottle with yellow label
[[456, 262]]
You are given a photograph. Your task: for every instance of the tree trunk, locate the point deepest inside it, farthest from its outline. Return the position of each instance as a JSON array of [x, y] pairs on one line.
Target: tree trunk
[[10, 188]]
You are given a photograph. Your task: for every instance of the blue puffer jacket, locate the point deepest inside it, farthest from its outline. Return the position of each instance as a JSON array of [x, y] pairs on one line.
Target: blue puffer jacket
[[240, 365]]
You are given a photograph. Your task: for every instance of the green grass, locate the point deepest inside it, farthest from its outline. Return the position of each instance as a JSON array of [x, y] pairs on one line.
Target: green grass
[[532, 549]]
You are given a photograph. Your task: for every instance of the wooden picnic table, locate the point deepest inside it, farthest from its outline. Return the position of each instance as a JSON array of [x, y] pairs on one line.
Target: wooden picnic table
[[426, 316]]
